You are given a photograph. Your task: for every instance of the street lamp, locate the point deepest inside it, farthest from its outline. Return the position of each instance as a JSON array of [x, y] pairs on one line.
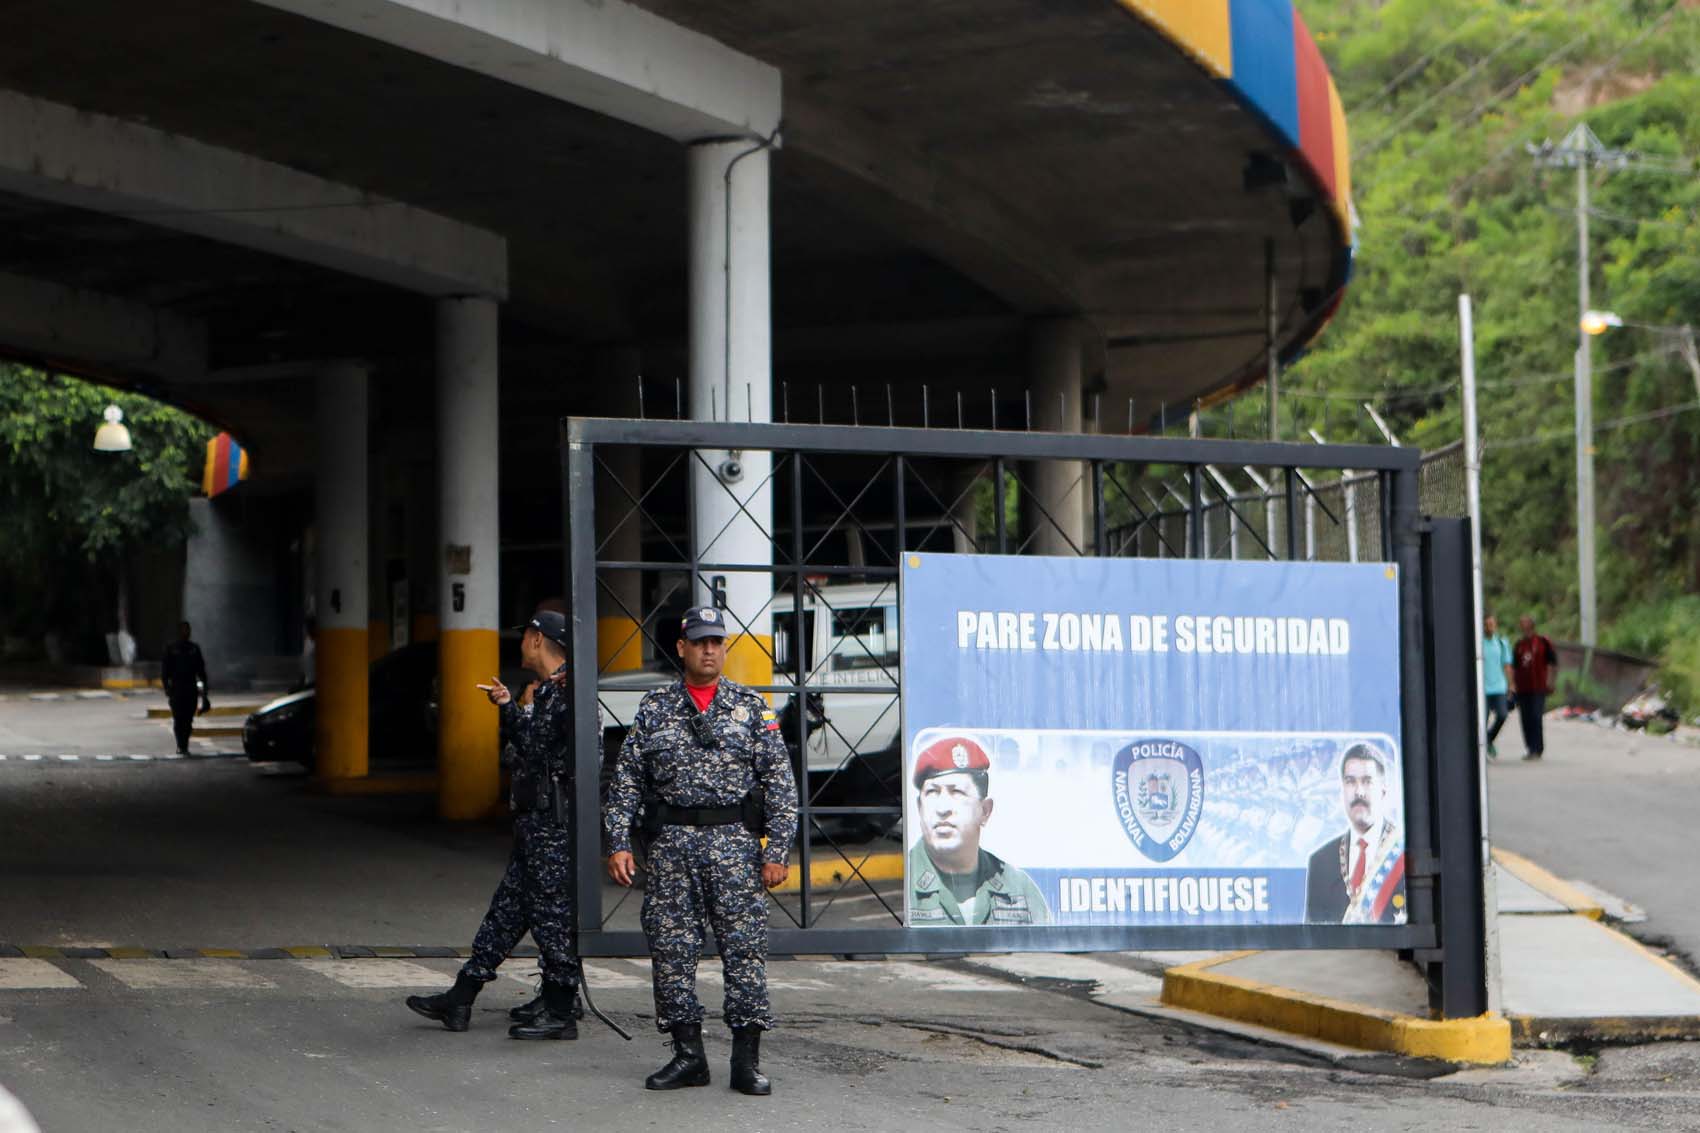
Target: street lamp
[[1598, 322], [113, 436]]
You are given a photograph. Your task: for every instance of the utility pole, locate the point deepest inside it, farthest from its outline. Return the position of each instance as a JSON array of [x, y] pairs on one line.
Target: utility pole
[[1583, 151]]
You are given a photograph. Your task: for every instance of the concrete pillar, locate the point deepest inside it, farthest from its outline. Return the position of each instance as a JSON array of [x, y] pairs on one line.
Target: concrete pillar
[[1054, 369], [731, 379], [619, 529], [340, 499], [467, 651]]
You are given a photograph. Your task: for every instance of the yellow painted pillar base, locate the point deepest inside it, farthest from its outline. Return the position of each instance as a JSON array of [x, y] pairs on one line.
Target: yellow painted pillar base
[[619, 645], [749, 660], [340, 707], [468, 768]]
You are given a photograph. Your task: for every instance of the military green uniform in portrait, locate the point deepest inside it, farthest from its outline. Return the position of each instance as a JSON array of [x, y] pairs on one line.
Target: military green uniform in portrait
[[995, 894]]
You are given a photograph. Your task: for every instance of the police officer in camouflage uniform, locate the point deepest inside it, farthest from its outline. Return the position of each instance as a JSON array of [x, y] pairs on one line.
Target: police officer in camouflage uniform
[[536, 888], [706, 761]]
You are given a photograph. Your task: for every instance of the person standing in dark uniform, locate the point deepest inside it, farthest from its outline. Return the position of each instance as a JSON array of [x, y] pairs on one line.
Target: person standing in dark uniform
[[536, 887], [706, 760], [183, 672]]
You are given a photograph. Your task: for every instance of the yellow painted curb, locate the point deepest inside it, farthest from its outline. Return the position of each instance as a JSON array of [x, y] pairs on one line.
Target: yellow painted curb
[[39, 952], [118, 684], [224, 954], [128, 954], [1548, 884], [831, 869], [1483, 1040], [309, 952]]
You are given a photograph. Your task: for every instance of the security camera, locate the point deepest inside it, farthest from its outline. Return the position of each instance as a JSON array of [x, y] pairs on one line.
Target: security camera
[[731, 470]]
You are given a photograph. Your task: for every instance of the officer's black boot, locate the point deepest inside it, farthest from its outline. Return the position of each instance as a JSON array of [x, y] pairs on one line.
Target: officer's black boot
[[555, 1021], [526, 1012], [747, 1077], [689, 1065], [452, 1008]]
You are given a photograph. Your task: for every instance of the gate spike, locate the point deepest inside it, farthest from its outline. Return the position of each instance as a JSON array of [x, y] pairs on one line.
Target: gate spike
[[640, 396], [926, 409], [1130, 416], [959, 409], [855, 407], [678, 400], [1062, 410], [820, 398], [749, 405], [713, 404], [890, 408], [1027, 401], [994, 407], [785, 400]]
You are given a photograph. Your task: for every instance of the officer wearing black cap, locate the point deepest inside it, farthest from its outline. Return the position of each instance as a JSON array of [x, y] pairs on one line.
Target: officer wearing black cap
[[536, 888], [706, 761]]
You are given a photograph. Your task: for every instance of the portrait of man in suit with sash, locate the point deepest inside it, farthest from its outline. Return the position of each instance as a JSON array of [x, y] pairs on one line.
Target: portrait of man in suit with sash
[[1358, 876]]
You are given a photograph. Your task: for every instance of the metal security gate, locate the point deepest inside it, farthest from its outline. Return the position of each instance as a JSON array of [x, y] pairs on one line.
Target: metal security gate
[[847, 502]]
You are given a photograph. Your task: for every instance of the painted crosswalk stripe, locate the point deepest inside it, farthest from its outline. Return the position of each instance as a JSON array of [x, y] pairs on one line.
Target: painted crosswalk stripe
[[105, 758], [32, 758], [141, 758], [69, 758], [373, 973], [27, 975], [149, 975], [600, 976]]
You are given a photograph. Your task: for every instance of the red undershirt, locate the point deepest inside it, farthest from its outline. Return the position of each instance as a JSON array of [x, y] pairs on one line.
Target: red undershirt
[[701, 697]]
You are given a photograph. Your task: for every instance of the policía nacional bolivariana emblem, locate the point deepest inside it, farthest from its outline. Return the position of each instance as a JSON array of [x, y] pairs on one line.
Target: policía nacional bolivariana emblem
[[1158, 789]]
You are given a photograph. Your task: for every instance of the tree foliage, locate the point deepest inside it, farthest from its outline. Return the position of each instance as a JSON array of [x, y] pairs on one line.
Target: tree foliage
[[1441, 98], [69, 514]]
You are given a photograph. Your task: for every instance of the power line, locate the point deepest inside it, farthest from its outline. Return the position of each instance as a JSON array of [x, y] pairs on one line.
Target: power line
[[1380, 95], [1500, 383], [1614, 423]]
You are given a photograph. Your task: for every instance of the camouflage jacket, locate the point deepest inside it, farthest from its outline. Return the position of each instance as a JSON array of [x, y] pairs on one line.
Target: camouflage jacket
[[1005, 895], [542, 742], [662, 758]]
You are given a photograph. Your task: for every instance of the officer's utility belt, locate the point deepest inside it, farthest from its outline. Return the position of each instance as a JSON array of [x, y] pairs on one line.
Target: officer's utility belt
[[746, 813]]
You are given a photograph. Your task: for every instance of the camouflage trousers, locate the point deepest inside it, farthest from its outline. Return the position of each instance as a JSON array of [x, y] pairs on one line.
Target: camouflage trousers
[[709, 874], [534, 895]]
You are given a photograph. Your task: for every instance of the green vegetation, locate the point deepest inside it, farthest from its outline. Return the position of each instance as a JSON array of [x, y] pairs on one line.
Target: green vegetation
[[69, 515], [1441, 97]]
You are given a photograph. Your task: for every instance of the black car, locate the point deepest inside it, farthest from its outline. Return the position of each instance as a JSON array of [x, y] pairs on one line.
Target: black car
[[403, 726]]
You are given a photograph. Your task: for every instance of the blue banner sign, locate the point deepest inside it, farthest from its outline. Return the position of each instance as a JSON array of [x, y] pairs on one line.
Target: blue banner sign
[[1131, 742]]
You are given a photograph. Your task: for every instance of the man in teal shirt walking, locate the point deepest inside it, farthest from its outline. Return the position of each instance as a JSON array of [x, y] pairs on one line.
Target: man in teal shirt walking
[[1496, 679]]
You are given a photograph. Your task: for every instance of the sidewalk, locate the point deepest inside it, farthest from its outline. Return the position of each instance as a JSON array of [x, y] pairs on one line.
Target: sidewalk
[[1567, 976]]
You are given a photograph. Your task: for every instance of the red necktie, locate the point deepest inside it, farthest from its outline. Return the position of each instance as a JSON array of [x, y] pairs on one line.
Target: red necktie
[[1358, 869]]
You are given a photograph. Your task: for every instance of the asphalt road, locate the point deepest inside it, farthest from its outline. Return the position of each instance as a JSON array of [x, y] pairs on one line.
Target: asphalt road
[[1612, 808], [206, 853]]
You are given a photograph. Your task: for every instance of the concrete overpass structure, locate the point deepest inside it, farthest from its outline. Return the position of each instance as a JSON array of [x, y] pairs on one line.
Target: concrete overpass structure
[[388, 243]]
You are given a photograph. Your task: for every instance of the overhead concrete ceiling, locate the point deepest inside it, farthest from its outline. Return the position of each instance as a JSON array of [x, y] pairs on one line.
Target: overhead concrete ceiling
[[947, 170]]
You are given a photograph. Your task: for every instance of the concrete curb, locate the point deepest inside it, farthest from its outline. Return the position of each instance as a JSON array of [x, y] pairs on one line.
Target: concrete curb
[[1549, 884], [887, 865], [1485, 1040]]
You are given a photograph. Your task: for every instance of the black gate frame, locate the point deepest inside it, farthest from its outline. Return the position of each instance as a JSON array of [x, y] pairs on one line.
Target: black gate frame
[[1444, 883]]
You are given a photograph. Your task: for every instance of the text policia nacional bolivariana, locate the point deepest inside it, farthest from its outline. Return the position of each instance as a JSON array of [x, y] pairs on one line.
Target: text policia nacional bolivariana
[[1152, 633]]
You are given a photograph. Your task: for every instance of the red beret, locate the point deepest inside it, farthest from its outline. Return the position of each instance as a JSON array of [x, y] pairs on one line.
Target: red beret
[[949, 755]]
